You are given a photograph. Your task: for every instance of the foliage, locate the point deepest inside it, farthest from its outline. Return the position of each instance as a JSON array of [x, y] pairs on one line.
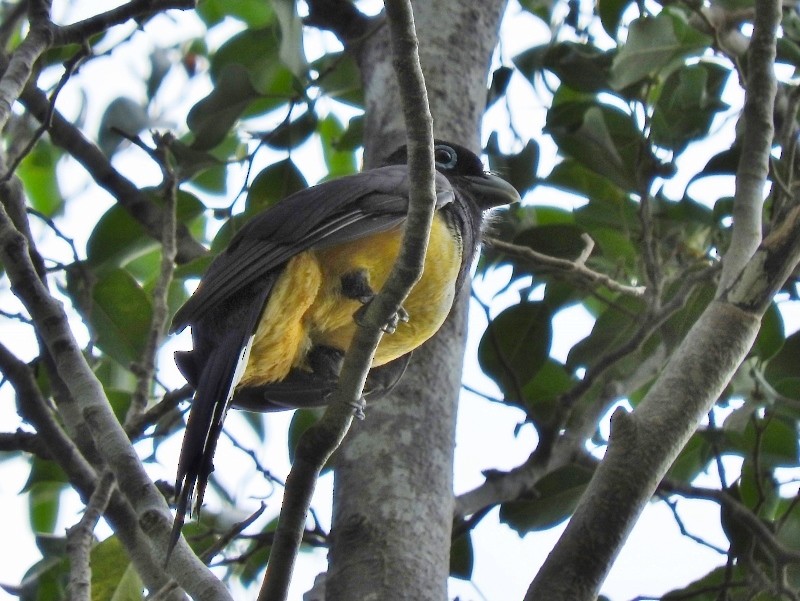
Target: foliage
[[634, 92]]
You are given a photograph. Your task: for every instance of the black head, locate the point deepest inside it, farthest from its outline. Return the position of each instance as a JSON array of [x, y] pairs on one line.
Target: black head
[[465, 170]]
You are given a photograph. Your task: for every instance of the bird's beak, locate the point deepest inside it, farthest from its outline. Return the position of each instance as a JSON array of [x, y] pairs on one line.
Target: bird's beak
[[491, 191]]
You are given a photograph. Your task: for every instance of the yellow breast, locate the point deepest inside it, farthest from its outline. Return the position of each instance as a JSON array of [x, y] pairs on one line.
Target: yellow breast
[[307, 308]]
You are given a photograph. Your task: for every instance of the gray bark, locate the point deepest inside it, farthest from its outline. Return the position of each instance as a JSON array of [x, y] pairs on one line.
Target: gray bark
[[393, 498]]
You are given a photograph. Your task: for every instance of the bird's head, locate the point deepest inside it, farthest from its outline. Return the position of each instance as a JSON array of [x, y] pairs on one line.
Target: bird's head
[[465, 169]]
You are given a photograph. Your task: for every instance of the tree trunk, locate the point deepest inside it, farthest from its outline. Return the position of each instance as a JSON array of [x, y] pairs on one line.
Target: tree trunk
[[393, 498]]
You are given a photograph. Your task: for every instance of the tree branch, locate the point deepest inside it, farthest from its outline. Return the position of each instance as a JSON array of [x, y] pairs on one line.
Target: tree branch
[[318, 443], [756, 142], [111, 442], [644, 444], [79, 32], [339, 16], [565, 268], [128, 195], [80, 539]]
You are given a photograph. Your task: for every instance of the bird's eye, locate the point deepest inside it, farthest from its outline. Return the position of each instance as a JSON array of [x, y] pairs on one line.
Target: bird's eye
[[445, 156]]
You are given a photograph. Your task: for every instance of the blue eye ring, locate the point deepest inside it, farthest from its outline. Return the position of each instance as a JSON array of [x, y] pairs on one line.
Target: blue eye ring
[[445, 156]]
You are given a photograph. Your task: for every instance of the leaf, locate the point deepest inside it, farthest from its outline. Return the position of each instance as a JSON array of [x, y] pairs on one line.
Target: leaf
[[555, 497], [273, 184], [613, 327], [125, 115], [291, 51], [160, 64], [462, 557], [497, 88], [113, 575], [38, 174], [212, 118], [44, 500], [689, 100], [770, 337], [557, 240], [340, 161], [602, 138], [784, 365], [119, 315], [291, 134], [339, 78], [515, 346], [257, 51], [655, 45], [581, 67], [610, 12], [118, 238], [692, 459], [545, 389], [254, 13], [517, 169]]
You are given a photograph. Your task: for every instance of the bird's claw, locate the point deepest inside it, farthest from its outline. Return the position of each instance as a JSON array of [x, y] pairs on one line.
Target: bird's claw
[[390, 327], [359, 407]]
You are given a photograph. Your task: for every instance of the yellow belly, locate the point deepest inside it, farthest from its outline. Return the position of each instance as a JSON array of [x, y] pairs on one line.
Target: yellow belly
[[306, 307]]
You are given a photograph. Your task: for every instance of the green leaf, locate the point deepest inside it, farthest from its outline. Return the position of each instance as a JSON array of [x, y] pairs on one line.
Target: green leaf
[[44, 500], [610, 12], [770, 336], [125, 115], [113, 575], [254, 13], [119, 315], [118, 238], [462, 557], [613, 328], [515, 346], [655, 45], [554, 498], [517, 169], [602, 138], [557, 240], [692, 459], [212, 118], [581, 67], [257, 51], [689, 100], [46, 580], [499, 83], [291, 51], [784, 365], [340, 161], [775, 437], [543, 392], [38, 174], [339, 78], [273, 184], [709, 586], [291, 134]]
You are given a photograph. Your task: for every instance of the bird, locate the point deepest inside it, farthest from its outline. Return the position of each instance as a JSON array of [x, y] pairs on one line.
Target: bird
[[276, 310]]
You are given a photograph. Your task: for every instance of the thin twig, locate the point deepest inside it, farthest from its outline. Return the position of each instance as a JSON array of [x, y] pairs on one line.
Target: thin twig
[[564, 267], [80, 539]]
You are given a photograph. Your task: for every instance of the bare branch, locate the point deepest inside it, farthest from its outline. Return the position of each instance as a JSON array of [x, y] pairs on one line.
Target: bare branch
[[565, 268], [128, 195], [80, 539], [146, 368], [756, 143], [319, 442], [110, 438], [140, 10]]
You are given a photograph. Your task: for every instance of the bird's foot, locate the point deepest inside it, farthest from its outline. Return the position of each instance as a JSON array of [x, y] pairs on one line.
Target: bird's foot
[[359, 407], [355, 285]]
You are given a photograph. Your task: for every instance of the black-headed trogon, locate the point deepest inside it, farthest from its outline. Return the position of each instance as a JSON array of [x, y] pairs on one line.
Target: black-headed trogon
[[274, 314]]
